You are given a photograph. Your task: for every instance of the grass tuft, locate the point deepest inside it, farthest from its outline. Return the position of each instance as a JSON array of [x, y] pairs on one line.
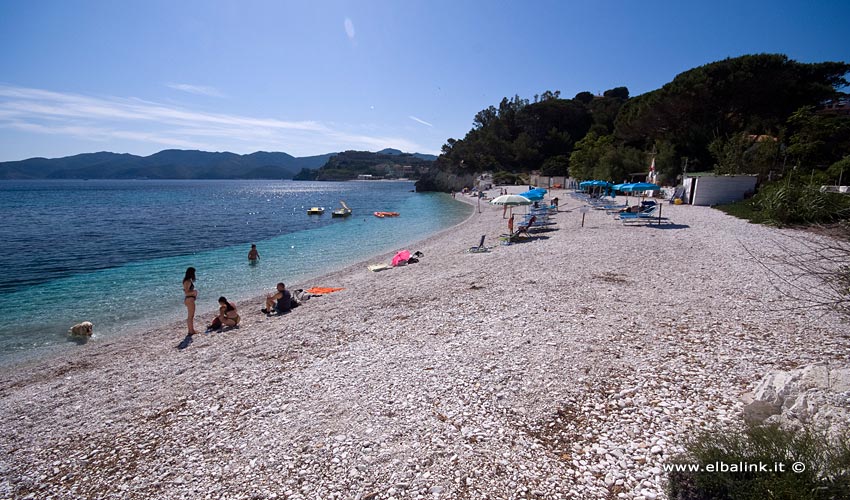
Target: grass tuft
[[826, 463]]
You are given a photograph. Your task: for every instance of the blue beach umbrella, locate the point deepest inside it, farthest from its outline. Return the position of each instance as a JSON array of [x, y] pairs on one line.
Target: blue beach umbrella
[[592, 184], [533, 195], [595, 184], [640, 186]]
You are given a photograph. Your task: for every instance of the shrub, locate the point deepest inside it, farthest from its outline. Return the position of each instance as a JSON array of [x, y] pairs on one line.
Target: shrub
[[783, 203], [507, 178], [438, 180], [826, 475]]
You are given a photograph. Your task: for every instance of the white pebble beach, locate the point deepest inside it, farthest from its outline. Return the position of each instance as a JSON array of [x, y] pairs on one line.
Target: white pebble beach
[[568, 366]]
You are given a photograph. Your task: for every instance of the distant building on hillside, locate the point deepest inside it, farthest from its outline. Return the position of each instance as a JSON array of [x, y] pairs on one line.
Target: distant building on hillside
[[836, 107]]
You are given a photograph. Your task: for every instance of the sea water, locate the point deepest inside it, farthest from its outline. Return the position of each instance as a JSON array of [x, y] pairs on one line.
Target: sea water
[[114, 252]]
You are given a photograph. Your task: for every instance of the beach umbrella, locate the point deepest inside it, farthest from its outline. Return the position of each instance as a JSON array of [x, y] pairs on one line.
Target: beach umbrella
[[533, 195], [510, 200], [643, 187], [640, 186], [602, 185], [401, 258], [539, 190]]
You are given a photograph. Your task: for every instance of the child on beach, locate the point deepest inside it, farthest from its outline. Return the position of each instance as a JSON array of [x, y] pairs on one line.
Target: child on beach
[[253, 255], [281, 301], [190, 295]]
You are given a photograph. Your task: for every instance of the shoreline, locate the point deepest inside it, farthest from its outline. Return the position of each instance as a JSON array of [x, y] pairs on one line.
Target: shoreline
[[568, 366], [13, 359]]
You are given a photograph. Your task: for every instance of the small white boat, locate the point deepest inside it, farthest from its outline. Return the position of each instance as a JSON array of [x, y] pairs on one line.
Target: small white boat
[[316, 211], [341, 212]]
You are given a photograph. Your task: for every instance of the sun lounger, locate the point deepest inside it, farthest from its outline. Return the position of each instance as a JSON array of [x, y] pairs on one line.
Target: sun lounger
[[520, 232], [649, 214], [480, 248]]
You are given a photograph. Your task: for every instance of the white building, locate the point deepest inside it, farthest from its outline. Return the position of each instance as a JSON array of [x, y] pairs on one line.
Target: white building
[[710, 189]]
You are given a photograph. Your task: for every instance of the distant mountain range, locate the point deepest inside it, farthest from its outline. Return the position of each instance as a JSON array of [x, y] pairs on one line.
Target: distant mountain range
[[170, 164]]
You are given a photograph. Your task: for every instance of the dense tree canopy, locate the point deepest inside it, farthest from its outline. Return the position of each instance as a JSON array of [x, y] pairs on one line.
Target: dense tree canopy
[[752, 95], [751, 114]]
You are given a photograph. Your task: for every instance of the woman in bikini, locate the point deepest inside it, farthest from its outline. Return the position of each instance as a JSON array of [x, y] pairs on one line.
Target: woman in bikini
[[190, 295], [227, 313]]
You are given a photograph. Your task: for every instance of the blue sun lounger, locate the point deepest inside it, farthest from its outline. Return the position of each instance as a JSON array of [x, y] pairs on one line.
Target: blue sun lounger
[[647, 214]]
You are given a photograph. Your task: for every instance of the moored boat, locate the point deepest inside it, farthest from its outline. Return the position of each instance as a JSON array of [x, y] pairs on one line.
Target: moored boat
[[341, 212], [316, 211], [386, 214]]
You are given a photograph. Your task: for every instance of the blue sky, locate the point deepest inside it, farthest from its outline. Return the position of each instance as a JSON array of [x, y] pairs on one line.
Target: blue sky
[[309, 78]]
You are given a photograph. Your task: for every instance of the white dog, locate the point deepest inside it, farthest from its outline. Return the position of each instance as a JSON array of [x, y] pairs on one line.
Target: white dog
[[82, 329]]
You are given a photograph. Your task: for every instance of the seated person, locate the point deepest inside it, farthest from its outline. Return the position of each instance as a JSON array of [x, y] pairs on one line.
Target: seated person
[[227, 315], [281, 301]]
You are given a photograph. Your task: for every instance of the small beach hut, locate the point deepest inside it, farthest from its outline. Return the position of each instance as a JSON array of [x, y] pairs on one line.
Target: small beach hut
[[710, 189]]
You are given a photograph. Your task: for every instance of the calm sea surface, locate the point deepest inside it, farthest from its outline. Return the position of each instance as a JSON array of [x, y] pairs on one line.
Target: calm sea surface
[[114, 252]]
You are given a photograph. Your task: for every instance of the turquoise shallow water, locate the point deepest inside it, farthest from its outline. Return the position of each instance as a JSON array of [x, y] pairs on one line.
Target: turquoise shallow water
[[114, 252]]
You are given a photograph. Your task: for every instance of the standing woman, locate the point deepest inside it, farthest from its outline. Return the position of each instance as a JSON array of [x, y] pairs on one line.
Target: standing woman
[[191, 295]]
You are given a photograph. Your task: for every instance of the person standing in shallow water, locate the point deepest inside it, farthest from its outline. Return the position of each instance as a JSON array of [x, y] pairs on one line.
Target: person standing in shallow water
[[190, 295], [253, 255]]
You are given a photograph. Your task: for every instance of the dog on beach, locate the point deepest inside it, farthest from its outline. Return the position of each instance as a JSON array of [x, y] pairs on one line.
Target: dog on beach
[[83, 329]]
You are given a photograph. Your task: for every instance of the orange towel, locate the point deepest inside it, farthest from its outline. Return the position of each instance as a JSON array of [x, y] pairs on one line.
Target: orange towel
[[321, 291]]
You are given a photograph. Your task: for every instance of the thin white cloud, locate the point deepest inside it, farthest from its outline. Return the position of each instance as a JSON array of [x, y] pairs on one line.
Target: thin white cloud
[[155, 124], [196, 89], [420, 120], [349, 28], [106, 135]]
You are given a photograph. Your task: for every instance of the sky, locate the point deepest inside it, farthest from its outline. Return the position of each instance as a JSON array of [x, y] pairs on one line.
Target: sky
[[314, 77]]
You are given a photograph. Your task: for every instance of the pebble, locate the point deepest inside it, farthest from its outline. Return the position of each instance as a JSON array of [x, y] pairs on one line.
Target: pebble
[[541, 382]]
